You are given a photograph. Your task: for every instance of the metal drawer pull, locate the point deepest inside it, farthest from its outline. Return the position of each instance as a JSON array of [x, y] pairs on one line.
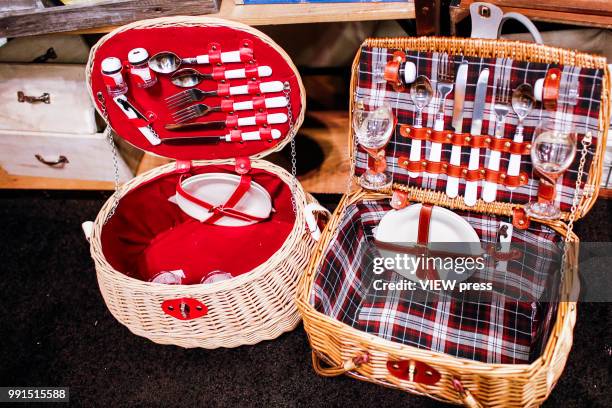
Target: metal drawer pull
[[21, 97], [61, 161]]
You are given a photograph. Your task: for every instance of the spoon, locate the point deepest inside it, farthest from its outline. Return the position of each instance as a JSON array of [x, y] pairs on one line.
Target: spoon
[[166, 62], [522, 103], [420, 93], [188, 77]]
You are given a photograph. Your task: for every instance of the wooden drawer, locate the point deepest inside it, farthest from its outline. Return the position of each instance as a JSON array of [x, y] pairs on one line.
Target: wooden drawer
[[69, 110], [89, 157]]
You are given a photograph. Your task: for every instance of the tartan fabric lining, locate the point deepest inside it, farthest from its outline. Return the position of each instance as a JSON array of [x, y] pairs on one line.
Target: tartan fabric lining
[[494, 329], [584, 116]]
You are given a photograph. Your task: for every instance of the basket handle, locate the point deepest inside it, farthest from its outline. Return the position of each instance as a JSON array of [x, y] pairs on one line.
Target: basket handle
[[87, 229], [338, 369], [488, 20], [467, 399], [311, 220]]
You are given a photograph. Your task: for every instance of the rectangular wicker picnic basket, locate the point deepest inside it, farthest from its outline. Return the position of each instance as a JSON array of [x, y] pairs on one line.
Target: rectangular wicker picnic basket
[[139, 232], [438, 350]]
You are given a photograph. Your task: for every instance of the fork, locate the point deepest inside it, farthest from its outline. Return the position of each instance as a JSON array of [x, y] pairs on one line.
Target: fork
[[446, 79], [200, 109], [193, 95], [501, 108]]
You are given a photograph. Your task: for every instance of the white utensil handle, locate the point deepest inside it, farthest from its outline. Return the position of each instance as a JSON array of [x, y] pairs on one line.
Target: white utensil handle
[[489, 190], [231, 56], [415, 155], [276, 102], [436, 148], [250, 136], [272, 119], [264, 87], [514, 165], [149, 135], [471, 187], [263, 71], [452, 183]]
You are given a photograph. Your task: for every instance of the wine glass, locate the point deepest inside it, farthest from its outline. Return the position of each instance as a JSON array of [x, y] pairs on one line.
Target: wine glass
[[373, 129], [553, 149]]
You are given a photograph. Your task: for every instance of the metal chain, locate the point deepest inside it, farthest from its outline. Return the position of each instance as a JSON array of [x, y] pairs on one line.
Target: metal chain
[[292, 132], [109, 137], [587, 140], [586, 143]]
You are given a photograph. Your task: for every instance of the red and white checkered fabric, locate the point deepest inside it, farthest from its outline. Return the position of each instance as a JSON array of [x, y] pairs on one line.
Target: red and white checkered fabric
[[583, 116], [494, 329]]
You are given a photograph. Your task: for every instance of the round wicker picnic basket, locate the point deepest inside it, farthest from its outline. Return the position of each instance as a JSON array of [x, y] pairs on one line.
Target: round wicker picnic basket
[[253, 306], [340, 349]]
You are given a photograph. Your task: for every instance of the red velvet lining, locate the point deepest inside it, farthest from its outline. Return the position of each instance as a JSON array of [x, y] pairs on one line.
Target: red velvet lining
[[148, 234], [190, 42]]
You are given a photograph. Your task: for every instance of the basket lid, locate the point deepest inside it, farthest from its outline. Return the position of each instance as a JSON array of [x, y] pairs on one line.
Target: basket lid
[[527, 63], [259, 90]]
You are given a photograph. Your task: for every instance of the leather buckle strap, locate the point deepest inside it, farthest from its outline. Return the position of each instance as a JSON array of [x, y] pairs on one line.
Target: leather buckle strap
[[442, 167], [466, 140], [423, 239], [224, 210]]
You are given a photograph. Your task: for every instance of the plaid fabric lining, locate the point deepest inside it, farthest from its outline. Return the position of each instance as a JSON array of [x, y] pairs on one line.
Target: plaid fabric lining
[[583, 116], [493, 330]]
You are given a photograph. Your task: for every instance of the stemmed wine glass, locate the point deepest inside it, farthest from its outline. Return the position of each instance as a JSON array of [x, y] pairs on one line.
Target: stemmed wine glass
[[373, 129], [553, 149]]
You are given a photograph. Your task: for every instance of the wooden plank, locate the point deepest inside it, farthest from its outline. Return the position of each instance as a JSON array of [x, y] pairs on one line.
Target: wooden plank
[[332, 138], [9, 181], [87, 15], [300, 13]]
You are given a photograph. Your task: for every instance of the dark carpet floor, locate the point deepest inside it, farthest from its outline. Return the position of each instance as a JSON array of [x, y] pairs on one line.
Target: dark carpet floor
[[56, 331]]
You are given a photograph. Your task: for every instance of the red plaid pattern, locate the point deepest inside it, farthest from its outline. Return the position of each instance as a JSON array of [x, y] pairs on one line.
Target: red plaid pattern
[[494, 329], [583, 116]]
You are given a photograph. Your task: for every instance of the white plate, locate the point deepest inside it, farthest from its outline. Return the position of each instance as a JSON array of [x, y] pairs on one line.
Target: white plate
[[216, 189], [400, 227]]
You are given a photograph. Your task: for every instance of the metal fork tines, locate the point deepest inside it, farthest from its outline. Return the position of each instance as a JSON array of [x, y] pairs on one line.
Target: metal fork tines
[[445, 79], [501, 107], [185, 97], [191, 112]]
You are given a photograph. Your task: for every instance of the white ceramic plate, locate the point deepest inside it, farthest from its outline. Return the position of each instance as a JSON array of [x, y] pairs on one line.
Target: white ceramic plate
[[400, 227], [216, 189]]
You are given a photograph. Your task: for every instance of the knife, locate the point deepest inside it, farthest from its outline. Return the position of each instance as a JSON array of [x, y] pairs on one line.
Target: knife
[[271, 119], [214, 139], [452, 183], [471, 187]]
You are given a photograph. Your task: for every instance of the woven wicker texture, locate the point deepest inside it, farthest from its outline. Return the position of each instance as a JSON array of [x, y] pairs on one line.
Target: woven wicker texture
[[339, 348], [255, 306]]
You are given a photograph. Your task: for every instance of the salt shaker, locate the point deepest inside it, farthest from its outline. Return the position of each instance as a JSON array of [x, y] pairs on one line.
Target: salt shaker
[[139, 68], [112, 73]]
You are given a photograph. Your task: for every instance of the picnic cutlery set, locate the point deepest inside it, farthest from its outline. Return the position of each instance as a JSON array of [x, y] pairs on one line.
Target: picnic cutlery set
[[211, 76], [484, 162]]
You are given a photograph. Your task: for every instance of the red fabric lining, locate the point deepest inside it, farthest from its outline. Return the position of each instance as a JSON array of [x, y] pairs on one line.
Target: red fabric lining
[[148, 234], [190, 42]]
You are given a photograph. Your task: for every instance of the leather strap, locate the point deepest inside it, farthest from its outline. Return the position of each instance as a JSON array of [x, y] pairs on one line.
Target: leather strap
[[494, 176], [214, 53], [223, 89], [246, 51], [253, 87], [225, 210], [218, 73], [423, 239], [466, 140], [550, 91]]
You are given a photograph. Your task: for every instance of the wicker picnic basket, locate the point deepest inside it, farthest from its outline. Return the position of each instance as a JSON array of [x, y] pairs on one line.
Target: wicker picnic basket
[[138, 231], [452, 370]]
